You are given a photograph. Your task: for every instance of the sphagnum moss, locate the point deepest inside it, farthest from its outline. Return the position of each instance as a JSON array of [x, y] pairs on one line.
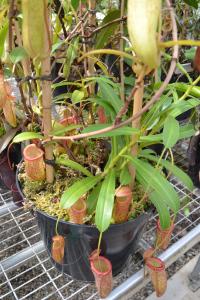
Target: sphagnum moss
[[46, 197]]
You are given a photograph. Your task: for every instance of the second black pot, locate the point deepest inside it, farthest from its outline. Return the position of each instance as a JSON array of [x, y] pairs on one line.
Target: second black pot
[[118, 242]]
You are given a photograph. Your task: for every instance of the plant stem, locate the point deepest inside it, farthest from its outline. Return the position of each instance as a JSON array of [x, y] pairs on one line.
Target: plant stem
[[106, 51], [121, 49], [26, 64], [10, 31], [179, 43], [137, 106], [179, 66], [121, 19], [190, 88], [116, 158], [91, 70], [99, 243], [92, 24], [47, 120], [47, 102], [124, 109]]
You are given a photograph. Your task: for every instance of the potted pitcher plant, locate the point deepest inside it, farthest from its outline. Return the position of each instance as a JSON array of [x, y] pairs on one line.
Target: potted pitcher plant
[[89, 171]]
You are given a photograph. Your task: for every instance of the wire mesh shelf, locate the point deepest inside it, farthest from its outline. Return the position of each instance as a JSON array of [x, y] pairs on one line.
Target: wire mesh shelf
[[26, 271]]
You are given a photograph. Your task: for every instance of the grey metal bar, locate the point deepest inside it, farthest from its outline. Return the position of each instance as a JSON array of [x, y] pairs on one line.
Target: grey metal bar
[[126, 289], [16, 259], [6, 207]]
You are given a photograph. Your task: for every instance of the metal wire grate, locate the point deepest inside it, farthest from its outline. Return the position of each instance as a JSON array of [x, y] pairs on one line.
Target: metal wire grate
[[26, 271]]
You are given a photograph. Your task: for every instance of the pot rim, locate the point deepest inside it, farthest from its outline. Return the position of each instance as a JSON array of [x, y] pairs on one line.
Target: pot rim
[[86, 225]]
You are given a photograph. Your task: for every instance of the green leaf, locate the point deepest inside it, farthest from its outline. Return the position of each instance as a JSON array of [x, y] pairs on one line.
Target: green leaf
[[157, 182], [109, 93], [187, 211], [62, 160], [105, 103], [56, 46], [114, 132], [62, 97], [101, 79], [162, 210], [182, 106], [183, 87], [193, 3], [182, 176], [187, 131], [105, 34], [190, 53], [24, 136], [105, 202], [171, 132], [71, 54], [152, 138], [153, 115], [78, 189], [3, 34], [75, 4], [65, 82], [60, 130], [77, 96], [18, 54], [92, 199], [125, 177]]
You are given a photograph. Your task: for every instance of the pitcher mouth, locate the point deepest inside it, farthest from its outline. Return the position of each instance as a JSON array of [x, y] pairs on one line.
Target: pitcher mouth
[[106, 262], [154, 260], [32, 147]]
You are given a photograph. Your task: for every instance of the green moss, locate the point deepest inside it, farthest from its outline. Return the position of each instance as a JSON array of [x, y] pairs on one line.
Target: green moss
[[46, 197], [138, 194]]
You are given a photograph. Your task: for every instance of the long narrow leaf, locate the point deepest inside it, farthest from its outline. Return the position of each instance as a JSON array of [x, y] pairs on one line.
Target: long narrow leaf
[[105, 202], [78, 189], [157, 182], [182, 176], [107, 105], [3, 33], [152, 138], [186, 131], [171, 132], [93, 198], [158, 200], [109, 93], [24, 136], [182, 106], [115, 132], [60, 129], [162, 210], [74, 165]]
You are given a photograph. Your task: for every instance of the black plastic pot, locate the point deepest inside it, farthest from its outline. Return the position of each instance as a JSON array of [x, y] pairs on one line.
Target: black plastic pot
[[193, 154], [17, 197], [118, 242], [7, 173]]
